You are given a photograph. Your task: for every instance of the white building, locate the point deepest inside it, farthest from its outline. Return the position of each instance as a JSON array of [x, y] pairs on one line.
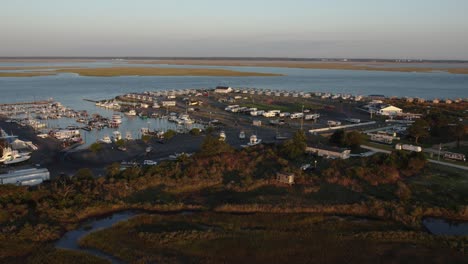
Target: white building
[[389, 110], [329, 152], [223, 89]]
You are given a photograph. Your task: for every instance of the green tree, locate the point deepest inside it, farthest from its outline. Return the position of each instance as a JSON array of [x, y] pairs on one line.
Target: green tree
[[459, 132], [95, 147], [195, 131], [419, 129], [403, 191], [120, 143], [213, 146], [354, 139], [146, 138], [84, 174], [113, 170], [296, 146], [169, 134], [338, 138]]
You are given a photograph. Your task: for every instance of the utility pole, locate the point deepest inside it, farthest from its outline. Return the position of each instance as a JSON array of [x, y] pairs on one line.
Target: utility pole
[[440, 148]]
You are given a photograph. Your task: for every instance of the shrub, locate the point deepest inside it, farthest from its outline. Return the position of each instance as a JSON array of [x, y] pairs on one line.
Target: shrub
[[95, 147], [195, 131], [169, 134]]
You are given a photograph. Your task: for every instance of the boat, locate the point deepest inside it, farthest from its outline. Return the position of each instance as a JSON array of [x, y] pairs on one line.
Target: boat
[[17, 158], [10, 156], [222, 136], [242, 135], [128, 135], [149, 149], [252, 142], [116, 136], [117, 119], [131, 113], [106, 140]]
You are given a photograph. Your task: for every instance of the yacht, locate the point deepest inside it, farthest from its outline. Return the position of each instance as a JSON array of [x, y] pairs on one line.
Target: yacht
[[128, 135], [10, 156], [117, 119], [131, 113], [106, 140], [116, 136]]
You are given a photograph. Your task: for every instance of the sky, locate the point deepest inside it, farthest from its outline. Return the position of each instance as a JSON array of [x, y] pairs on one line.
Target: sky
[[401, 29]]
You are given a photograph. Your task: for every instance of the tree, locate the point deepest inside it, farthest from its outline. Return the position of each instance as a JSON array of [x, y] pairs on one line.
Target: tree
[[338, 138], [353, 139], [195, 131], [113, 170], [84, 174], [169, 134], [213, 146], [146, 138], [120, 143], [296, 146], [95, 147], [459, 131], [419, 129]]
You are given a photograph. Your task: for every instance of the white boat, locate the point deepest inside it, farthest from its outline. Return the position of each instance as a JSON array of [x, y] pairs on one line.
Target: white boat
[[117, 119], [10, 156], [106, 140], [222, 136], [131, 113], [128, 135], [19, 157], [252, 142], [116, 136], [242, 135]]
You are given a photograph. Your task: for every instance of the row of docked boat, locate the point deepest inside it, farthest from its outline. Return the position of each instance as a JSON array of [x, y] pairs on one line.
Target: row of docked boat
[[181, 119], [10, 156], [116, 136], [253, 140]]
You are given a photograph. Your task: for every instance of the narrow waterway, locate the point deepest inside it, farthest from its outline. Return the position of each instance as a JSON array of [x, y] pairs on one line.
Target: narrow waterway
[[71, 239]]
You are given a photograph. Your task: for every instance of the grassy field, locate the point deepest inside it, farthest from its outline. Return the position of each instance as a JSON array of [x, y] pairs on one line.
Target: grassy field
[[302, 65], [266, 238], [137, 71]]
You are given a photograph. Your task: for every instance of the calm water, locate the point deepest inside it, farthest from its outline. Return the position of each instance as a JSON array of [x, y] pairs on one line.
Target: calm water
[[443, 227], [70, 89]]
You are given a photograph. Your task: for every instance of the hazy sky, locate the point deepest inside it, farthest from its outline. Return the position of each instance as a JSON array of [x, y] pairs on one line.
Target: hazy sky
[[430, 29]]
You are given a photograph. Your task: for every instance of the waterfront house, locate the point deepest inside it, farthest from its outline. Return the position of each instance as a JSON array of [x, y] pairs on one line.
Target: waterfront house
[[287, 178], [223, 89]]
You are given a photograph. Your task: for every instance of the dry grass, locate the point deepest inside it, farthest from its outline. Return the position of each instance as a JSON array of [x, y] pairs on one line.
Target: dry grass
[[129, 71], [301, 65], [151, 71]]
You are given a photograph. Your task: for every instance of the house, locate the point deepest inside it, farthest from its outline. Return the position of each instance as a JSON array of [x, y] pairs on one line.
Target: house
[[223, 89], [329, 152], [287, 178]]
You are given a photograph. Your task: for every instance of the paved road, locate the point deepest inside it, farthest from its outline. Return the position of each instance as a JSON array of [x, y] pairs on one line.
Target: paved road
[[430, 160]]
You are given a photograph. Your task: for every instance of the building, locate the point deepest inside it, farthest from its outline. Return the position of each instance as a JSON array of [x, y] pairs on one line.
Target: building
[[287, 178], [329, 152], [168, 103], [389, 110], [223, 89], [26, 177]]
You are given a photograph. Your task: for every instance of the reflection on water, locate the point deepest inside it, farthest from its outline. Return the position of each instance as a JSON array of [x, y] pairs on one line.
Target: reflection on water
[[439, 226]]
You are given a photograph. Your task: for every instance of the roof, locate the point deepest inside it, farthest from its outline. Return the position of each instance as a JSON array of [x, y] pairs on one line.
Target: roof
[[223, 87]]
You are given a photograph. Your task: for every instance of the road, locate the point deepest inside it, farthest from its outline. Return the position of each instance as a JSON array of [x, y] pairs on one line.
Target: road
[[430, 160]]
